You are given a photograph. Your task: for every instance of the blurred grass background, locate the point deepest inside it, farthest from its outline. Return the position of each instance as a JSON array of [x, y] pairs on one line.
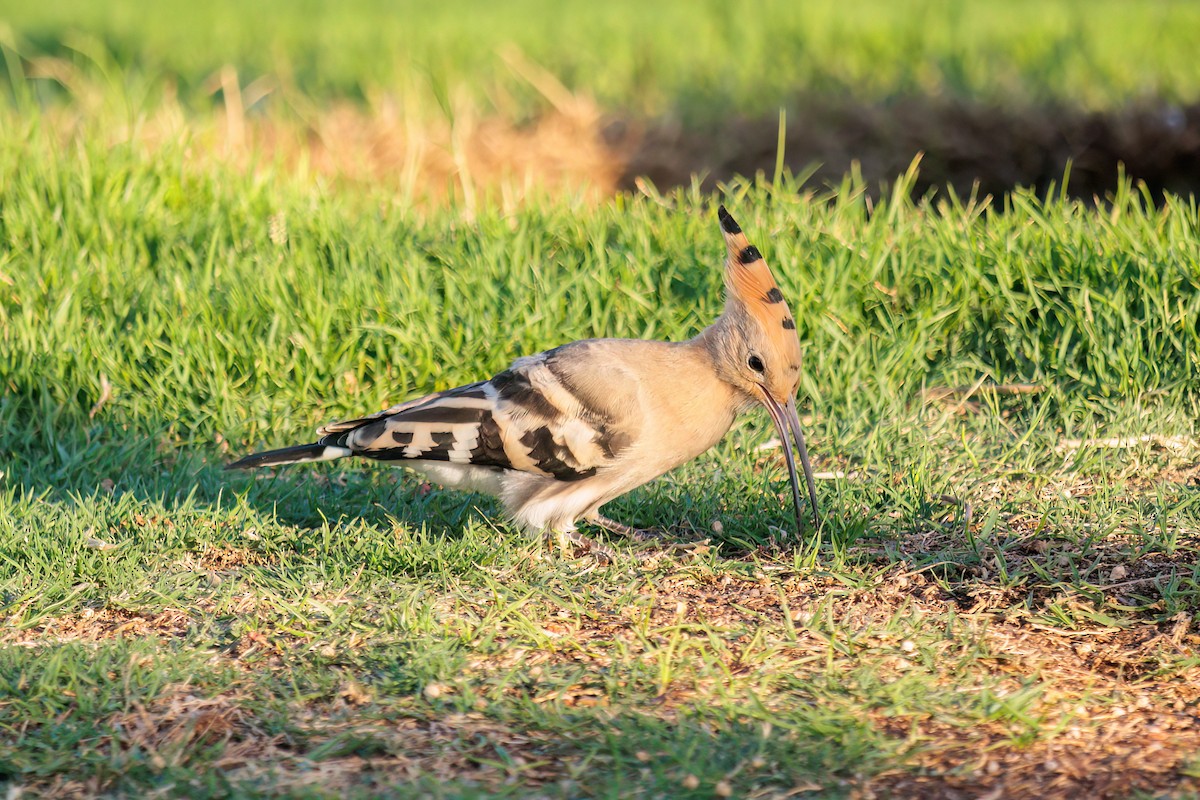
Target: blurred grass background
[[690, 60]]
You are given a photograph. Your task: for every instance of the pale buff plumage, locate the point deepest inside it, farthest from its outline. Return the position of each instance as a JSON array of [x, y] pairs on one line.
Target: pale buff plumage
[[560, 433]]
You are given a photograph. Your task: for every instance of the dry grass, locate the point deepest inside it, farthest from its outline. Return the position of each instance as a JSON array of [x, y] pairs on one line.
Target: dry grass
[[459, 747], [464, 155], [93, 625]]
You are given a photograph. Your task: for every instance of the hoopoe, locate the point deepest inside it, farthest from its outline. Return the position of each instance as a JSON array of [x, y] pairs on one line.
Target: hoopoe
[[559, 434]]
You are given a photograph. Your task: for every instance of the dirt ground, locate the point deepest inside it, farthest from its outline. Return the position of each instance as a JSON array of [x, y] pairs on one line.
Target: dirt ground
[[579, 148], [962, 143]]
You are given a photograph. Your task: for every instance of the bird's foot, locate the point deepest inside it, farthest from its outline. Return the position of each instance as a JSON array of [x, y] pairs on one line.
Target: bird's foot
[[601, 551], [652, 536], [628, 531]]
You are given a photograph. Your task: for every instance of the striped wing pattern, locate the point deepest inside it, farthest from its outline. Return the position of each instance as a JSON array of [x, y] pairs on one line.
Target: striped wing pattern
[[526, 418]]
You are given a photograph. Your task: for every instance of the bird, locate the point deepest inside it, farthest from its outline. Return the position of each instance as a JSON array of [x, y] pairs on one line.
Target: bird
[[558, 434]]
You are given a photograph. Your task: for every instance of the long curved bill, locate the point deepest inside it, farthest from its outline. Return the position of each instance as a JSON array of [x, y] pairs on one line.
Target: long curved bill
[[788, 421]]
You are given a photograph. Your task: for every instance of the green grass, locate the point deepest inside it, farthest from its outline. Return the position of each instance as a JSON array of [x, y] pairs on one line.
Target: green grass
[[343, 630], [695, 60], [170, 626]]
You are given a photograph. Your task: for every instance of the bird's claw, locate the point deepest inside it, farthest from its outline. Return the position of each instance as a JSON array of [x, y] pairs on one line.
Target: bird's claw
[[601, 551]]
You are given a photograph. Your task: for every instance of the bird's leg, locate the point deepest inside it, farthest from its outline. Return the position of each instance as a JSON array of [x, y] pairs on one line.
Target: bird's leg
[[645, 535], [621, 529], [591, 545]]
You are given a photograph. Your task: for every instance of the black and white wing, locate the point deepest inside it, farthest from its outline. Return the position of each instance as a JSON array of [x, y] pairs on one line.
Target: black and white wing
[[543, 416]]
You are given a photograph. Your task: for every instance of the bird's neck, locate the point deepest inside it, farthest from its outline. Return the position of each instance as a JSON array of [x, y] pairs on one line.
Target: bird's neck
[[717, 341], [717, 346]]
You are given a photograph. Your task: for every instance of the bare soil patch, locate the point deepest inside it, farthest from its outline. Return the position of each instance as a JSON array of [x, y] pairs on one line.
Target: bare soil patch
[[1141, 750], [580, 148], [963, 144], [94, 625]]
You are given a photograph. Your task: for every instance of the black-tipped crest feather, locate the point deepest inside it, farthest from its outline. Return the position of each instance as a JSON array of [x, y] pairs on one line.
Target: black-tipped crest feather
[[728, 223]]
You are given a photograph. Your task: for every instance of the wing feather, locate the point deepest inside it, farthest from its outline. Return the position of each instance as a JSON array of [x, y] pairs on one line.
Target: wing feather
[[534, 417]]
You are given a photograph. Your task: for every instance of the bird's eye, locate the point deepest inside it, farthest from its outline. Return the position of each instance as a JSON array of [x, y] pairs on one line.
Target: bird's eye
[[755, 363]]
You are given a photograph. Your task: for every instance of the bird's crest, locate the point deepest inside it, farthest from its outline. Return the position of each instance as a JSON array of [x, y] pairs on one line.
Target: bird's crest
[[750, 282]]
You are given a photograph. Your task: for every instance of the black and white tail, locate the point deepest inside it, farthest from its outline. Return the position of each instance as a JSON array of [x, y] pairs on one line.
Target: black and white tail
[[541, 416], [300, 454]]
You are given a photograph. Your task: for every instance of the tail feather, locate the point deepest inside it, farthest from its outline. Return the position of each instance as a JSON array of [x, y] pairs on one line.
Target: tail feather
[[300, 454]]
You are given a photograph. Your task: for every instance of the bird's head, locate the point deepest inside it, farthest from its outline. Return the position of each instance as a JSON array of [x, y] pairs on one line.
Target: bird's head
[[756, 346]]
